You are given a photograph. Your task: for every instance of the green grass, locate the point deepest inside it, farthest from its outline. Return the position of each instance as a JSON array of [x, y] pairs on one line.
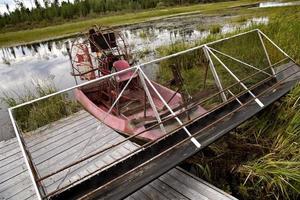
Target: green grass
[[214, 29], [33, 116], [25, 36], [261, 158]]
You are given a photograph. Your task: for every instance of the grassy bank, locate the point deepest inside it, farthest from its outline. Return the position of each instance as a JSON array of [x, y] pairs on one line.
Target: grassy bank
[[43, 112], [25, 36]]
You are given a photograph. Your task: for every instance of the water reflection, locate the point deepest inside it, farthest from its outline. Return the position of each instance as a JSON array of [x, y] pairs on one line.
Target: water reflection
[[278, 4], [227, 28]]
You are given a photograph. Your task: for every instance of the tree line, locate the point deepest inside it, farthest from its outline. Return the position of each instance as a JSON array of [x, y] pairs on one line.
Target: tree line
[[54, 11]]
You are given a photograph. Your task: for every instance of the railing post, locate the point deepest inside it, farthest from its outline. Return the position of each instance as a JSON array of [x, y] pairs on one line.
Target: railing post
[[196, 143], [151, 100], [30, 170], [214, 73], [237, 79], [266, 53]]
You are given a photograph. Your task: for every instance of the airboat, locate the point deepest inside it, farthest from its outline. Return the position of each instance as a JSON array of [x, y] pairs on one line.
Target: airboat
[[125, 102]]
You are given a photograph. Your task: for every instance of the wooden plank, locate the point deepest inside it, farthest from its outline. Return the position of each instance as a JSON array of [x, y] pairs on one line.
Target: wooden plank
[[54, 132], [166, 190], [196, 185], [89, 166], [12, 173], [26, 192], [9, 145], [4, 184], [201, 181], [32, 197], [64, 140], [5, 143], [18, 187], [55, 126], [11, 159], [139, 195], [69, 155], [130, 198], [5, 155], [49, 131], [181, 188], [64, 136], [64, 146], [13, 185], [11, 166], [152, 193]]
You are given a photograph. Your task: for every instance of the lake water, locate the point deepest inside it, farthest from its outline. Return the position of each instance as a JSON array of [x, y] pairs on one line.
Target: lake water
[[23, 65], [278, 4]]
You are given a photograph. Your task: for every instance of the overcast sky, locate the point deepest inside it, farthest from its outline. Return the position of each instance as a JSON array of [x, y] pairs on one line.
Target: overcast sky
[[27, 3]]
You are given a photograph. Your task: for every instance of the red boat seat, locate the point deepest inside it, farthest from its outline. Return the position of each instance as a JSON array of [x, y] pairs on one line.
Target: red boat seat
[[121, 65]]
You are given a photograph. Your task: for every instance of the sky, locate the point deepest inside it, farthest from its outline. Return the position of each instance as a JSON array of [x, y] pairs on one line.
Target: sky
[[27, 3]]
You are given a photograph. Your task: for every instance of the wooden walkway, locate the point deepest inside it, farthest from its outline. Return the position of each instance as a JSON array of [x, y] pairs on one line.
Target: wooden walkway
[[69, 139]]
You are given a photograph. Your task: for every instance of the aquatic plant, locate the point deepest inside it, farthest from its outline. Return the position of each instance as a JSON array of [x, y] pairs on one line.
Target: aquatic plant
[[214, 29], [33, 116]]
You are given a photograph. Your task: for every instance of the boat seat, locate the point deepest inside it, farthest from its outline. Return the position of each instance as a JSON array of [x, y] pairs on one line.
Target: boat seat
[[122, 65]]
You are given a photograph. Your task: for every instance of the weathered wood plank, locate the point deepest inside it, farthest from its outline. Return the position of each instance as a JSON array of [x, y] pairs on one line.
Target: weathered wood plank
[[202, 182], [5, 155], [65, 146], [71, 154], [20, 187], [195, 185], [15, 185], [63, 142], [61, 133], [13, 180], [12, 166], [26, 192], [85, 167], [183, 189], [152, 193], [68, 129], [9, 145], [11, 159], [14, 172], [55, 128], [5, 143], [166, 190]]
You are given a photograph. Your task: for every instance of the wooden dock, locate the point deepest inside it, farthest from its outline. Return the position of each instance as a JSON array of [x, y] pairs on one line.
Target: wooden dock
[[61, 143]]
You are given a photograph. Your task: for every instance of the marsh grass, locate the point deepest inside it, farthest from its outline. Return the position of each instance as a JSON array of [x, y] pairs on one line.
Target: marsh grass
[[261, 158], [33, 116], [214, 29], [194, 65], [278, 171]]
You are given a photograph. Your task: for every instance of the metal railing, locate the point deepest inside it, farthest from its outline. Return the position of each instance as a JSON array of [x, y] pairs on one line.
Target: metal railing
[[147, 83]]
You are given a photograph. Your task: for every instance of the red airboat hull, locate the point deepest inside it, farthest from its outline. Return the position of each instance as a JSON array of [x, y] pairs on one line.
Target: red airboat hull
[[123, 124]]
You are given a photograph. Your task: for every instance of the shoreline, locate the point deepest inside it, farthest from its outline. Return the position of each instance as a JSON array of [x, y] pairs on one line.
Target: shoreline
[[146, 19]]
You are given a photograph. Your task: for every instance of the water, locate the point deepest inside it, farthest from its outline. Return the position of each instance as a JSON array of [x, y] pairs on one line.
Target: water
[[278, 4], [22, 65]]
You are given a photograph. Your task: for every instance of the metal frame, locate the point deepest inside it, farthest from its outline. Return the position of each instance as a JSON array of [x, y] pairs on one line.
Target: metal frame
[[214, 72], [236, 78], [145, 78], [208, 98]]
